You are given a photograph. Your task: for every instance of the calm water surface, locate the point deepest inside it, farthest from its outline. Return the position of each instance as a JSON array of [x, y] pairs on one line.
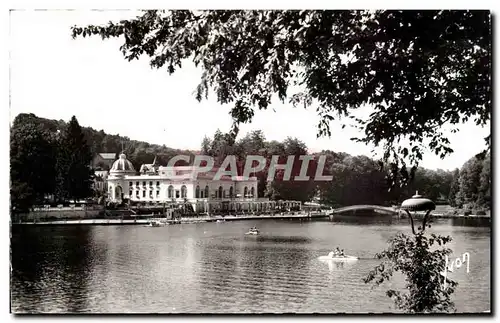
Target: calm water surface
[[215, 268]]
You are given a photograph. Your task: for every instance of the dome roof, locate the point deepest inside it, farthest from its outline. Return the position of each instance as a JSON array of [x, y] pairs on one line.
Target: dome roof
[[122, 165]]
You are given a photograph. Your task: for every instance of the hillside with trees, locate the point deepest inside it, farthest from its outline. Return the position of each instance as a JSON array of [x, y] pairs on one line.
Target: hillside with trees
[[48, 160], [471, 186], [356, 179], [138, 152]]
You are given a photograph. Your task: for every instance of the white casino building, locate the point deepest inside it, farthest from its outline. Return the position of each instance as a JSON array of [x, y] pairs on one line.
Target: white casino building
[[158, 184]]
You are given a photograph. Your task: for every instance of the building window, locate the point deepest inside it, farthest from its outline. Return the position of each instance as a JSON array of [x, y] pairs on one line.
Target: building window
[[137, 193], [231, 191], [157, 194], [130, 184], [245, 192], [170, 191], [150, 183], [143, 183], [150, 194], [252, 192], [136, 183], [183, 191], [143, 193], [177, 194], [206, 191], [197, 193], [220, 192], [202, 194], [157, 183], [130, 193]]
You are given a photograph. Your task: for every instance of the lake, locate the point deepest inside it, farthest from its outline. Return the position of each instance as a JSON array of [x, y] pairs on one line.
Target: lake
[[216, 268]]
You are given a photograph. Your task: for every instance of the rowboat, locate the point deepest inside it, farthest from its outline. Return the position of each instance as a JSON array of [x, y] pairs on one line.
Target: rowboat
[[156, 224], [338, 258], [331, 256]]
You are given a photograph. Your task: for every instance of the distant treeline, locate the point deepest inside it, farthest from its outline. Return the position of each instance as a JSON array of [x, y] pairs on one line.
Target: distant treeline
[[356, 179]]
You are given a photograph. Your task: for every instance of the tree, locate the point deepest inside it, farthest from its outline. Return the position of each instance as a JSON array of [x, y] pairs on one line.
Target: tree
[[455, 188], [470, 175], [292, 189], [484, 194], [205, 146], [32, 160], [412, 256], [73, 165], [337, 61]]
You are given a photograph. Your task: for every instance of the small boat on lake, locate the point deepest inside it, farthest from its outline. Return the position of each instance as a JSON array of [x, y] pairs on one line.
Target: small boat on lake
[[253, 231], [332, 257], [156, 224]]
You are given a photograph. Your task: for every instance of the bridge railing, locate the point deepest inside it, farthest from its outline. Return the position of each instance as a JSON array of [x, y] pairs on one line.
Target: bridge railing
[[365, 207]]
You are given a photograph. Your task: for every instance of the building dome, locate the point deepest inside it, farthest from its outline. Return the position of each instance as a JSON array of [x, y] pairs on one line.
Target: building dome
[[122, 165]]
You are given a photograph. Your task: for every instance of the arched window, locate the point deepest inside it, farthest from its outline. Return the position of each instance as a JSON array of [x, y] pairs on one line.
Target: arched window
[[197, 193], [206, 191], [252, 192], [220, 192], [183, 191], [231, 191], [245, 192], [170, 191]]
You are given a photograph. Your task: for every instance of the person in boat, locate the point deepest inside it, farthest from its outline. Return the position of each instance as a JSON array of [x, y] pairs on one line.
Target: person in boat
[[336, 252], [342, 254]]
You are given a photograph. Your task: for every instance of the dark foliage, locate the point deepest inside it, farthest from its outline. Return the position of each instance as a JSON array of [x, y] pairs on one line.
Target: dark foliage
[[32, 159], [422, 268], [73, 165], [418, 70]]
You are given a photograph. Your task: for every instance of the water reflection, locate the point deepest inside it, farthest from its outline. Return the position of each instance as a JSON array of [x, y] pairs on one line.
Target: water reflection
[[367, 219], [215, 268], [335, 265], [281, 239], [471, 221], [59, 263], [254, 273]]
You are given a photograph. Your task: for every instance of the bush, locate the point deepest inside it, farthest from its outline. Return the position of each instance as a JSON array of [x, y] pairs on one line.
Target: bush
[[412, 256], [480, 212], [467, 213]]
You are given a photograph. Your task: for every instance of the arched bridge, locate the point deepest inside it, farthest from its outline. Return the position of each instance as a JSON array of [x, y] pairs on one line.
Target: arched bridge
[[375, 208]]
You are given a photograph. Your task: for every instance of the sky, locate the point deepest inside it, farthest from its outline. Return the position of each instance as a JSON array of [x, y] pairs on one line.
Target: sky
[[56, 77]]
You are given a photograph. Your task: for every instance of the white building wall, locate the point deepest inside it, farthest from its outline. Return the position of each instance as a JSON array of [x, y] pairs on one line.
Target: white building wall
[[159, 193]]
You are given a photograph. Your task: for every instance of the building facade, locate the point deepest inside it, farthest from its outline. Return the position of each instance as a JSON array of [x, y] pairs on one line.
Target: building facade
[[157, 184]]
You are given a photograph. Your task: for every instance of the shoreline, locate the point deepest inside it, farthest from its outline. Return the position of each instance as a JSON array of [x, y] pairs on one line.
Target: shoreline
[[205, 219], [185, 220]]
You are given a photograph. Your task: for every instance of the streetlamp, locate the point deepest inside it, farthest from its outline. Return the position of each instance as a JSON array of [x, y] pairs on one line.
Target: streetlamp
[[418, 203]]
